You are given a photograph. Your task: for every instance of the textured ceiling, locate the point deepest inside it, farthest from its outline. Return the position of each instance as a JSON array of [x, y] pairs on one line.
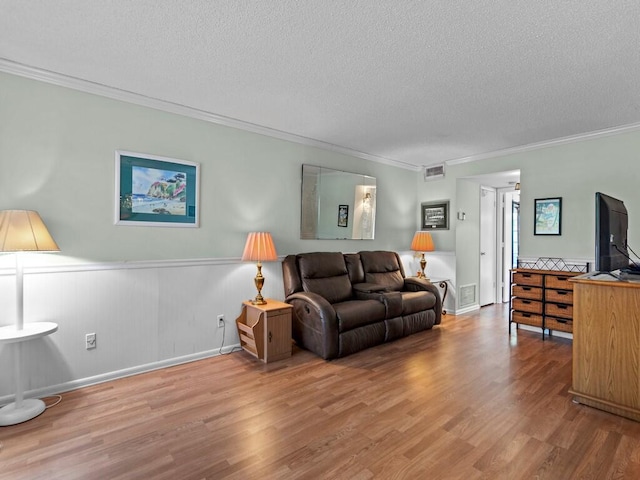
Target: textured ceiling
[[413, 82]]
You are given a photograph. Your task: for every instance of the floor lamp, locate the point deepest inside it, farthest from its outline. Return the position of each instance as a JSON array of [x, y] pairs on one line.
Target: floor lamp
[[23, 231]]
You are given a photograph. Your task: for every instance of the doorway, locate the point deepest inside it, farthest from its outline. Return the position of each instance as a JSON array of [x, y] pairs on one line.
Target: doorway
[[488, 246]]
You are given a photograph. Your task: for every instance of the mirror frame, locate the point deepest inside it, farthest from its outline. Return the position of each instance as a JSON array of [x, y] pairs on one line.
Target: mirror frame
[[337, 205]]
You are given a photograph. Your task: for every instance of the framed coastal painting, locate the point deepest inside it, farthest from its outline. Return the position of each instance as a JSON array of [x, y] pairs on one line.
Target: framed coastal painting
[[548, 216], [156, 191], [435, 215]]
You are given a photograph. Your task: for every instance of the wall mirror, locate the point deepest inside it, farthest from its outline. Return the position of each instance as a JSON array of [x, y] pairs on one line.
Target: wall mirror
[[337, 205]]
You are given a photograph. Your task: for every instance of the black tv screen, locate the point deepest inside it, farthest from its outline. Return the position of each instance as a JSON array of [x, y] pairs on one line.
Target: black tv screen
[[611, 234]]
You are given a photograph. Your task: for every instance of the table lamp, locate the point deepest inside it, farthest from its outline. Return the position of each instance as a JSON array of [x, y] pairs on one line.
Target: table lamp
[[422, 242], [259, 248], [23, 231]]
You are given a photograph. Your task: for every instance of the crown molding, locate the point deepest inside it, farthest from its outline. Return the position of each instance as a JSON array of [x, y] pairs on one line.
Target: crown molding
[[548, 143], [86, 86]]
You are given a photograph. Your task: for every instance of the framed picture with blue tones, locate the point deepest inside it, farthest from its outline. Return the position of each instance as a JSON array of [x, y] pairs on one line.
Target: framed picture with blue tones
[[156, 191], [343, 215], [548, 216]]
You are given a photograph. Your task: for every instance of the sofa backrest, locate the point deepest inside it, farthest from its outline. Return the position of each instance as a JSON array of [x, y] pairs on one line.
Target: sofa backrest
[[383, 268], [354, 267], [325, 273]]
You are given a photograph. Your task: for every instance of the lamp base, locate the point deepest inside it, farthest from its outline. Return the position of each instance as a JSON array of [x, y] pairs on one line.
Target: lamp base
[[30, 408], [258, 301]]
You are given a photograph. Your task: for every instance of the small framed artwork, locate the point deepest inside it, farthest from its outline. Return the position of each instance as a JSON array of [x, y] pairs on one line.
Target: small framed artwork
[[435, 215], [343, 215], [548, 216], [156, 191]]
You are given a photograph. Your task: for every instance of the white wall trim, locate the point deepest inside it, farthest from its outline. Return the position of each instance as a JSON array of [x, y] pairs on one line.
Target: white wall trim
[[632, 127], [127, 265], [126, 372], [470, 308], [86, 86]]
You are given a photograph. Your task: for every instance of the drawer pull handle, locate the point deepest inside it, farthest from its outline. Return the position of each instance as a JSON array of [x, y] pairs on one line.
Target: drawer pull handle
[[527, 315], [562, 307], [561, 292], [526, 275], [526, 289], [526, 302], [560, 320], [562, 279], [270, 337]]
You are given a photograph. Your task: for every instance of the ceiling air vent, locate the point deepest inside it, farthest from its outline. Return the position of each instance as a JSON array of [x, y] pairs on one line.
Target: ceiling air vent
[[434, 172]]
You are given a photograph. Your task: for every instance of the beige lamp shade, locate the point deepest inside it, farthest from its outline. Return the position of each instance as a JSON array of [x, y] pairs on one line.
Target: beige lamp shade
[[24, 231], [422, 242], [259, 248]]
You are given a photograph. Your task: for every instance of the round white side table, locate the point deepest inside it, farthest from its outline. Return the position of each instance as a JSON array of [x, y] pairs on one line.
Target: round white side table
[[22, 410]]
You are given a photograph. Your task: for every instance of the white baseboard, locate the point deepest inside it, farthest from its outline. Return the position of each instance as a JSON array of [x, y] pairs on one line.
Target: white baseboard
[[126, 372], [470, 308]]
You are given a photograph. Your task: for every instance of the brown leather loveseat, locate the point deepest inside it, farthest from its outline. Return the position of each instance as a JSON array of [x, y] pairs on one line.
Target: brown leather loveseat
[[344, 303]]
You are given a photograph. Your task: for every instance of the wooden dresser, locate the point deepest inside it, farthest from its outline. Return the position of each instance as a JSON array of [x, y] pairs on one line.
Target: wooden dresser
[[542, 298]]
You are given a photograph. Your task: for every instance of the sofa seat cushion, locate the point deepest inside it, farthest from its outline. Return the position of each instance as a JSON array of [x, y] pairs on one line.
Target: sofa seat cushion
[[413, 302], [357, 313]]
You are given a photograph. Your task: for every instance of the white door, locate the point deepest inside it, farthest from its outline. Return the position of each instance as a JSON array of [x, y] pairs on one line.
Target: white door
[[487, 246]]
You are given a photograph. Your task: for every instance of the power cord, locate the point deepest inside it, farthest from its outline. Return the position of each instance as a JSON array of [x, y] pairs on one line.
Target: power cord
[[57, 401], [234, 349]]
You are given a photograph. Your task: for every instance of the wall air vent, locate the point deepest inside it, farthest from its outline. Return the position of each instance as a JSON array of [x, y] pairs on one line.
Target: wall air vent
[[467, 295], [434, 172]]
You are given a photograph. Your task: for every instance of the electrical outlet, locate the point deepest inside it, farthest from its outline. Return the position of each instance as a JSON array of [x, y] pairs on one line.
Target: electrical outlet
[[220, 321], [90, 341]]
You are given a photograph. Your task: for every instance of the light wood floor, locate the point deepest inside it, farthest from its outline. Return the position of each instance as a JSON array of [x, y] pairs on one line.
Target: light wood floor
[[462, 401]]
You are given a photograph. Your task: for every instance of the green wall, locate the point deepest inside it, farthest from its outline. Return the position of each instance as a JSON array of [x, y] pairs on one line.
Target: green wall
[[57, 156], [573, 171]]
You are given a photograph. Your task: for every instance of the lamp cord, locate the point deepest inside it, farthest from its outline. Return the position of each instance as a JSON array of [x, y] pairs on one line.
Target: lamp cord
[[57, 401]]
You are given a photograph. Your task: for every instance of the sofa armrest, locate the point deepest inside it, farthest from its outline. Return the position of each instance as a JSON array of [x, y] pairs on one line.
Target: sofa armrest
[[414, 284], [369, 291], [369, 287], [314, 324]]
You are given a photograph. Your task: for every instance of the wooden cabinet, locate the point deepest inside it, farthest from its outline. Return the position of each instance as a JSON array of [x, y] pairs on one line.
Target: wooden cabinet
[[606, 345], [265, 330], [543, 299]]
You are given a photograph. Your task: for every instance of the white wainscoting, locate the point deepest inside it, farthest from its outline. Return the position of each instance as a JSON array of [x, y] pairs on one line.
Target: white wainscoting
[[146, 315]]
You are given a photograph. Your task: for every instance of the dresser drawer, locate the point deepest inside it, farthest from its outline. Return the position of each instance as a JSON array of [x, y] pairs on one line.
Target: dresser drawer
[[559, 324], [526, 278], [559, 296], [559, 310], [527, 319], [523, 291], [524, 305], [560, 282]]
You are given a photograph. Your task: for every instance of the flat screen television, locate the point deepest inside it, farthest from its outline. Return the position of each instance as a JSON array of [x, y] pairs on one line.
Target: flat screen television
[[611, 234]]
